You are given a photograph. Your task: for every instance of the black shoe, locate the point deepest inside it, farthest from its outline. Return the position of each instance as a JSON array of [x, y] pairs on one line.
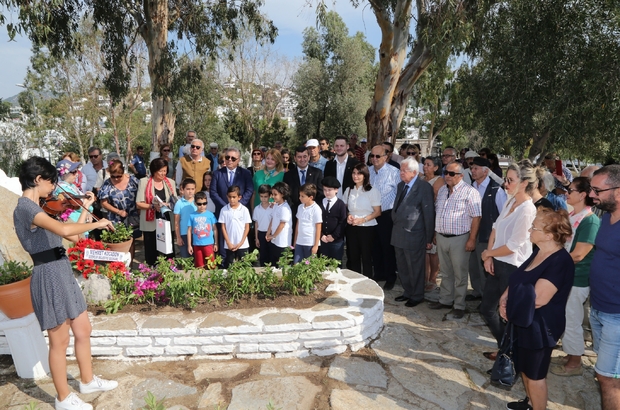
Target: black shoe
[[519, 405], [412, 303], [389, 285], [401, 298], [471, 297], [437, 305], [458, 313]]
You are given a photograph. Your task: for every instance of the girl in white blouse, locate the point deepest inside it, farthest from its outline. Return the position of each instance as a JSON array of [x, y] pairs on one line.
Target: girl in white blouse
[[509, 243], [363, 206]]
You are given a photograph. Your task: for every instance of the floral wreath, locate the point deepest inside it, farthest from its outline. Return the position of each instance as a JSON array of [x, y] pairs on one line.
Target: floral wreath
[[64, 169]]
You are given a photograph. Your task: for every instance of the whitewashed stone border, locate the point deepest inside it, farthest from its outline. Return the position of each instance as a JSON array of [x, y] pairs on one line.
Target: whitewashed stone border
[[349, 319]]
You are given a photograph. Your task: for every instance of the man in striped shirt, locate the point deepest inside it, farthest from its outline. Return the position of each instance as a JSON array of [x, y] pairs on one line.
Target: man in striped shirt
[[458, 211]]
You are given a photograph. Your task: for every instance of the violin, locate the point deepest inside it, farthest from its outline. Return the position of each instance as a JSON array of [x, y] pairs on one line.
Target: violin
[[56, 205]]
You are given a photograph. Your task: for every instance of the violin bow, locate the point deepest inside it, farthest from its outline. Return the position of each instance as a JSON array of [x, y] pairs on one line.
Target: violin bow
[[70, 198]]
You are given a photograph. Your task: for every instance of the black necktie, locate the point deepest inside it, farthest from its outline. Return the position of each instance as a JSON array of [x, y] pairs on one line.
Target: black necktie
[[402, 195], [328, 205]]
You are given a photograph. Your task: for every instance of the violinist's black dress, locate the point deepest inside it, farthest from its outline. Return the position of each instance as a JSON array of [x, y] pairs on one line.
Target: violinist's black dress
[[56, 296]]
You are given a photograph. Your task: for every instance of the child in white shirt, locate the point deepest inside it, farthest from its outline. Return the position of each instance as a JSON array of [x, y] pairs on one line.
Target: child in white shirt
[[235, 220], [262, 217], [279, 233], [309, 220]]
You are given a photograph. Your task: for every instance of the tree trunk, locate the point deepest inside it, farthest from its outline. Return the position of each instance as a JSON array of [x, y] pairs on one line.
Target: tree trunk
[[155, 35], [394, 83], [538, 144]]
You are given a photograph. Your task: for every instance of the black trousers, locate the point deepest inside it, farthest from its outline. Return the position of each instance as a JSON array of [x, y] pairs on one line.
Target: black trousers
[[232, 255], [359, 248], [383, 255], [493, 290], [150, 248], [264, 250]]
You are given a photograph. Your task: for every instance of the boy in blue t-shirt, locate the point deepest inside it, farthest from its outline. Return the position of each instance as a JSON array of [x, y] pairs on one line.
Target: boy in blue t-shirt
[[182, 210], [201, 232]]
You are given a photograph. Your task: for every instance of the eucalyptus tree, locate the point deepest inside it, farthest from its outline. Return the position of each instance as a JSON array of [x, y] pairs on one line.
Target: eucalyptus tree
[[196, 24]]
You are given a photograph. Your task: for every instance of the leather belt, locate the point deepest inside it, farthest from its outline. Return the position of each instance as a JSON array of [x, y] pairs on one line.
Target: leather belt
[[49, 255], [445, 235]]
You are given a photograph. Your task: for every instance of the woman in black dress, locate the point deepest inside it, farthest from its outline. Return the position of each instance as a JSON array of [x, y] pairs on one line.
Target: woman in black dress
[[535, 303], [56, 297]]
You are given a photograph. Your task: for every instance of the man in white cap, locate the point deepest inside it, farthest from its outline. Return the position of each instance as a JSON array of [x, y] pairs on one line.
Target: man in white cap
[[213, 154], [469, 160], [316, 159]]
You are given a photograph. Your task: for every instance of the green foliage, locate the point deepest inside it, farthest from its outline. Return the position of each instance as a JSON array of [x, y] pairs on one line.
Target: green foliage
[[334, 83], [152, 403], [33, 405], [177, 283], [121, 233], [12, 271], [545, 78]]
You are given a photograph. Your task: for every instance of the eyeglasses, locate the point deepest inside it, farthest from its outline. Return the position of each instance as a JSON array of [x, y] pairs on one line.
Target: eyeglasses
[[533, 228], [571, 190], [94, 156], [116, 176], [165, 150], [256, 153], [200, 203], [597, 191], [482, 154], [229, 158], [73, 172], [452, 173], [196, 146], [447, 155], [375, 156]]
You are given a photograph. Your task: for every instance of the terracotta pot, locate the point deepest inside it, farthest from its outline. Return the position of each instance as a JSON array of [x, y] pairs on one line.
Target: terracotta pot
[[119, 247], [15, 301]]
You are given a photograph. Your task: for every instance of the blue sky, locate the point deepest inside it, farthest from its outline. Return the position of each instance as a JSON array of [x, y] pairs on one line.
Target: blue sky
[[290, 16]]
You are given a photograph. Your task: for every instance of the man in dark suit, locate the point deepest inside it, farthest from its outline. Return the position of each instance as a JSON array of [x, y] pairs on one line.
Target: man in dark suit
[[414, 227], [229, 175], [300, 174], [342, 162]]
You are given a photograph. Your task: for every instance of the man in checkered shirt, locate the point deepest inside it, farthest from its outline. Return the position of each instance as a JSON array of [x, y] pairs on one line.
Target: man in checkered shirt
[[458, 211]]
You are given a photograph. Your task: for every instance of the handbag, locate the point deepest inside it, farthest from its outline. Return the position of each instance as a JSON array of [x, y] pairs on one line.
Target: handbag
[[163, 236], [503, 372]]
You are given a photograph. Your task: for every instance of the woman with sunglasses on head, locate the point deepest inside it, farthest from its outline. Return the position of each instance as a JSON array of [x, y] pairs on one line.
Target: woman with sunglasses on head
[[509, 244], [257, 161], [271, 173], [67, 172], [118, 196], [156, 186], [56, 297], [585, 225]]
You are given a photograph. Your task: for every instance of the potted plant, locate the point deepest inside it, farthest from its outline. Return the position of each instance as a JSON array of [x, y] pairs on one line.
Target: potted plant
[[120, 239], [15, 299]]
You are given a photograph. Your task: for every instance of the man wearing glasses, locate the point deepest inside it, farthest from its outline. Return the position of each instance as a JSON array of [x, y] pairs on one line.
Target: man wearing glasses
[[193, 165], [448, 156], [189, 137], [94, 170], [385, 178], [457, 218], [213, 153], [137, 163], [605, 285]]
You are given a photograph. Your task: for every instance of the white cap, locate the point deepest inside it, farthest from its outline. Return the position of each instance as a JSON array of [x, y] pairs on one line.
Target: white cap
[[471, 154], [312, 143], [213, 145], [364, 140]]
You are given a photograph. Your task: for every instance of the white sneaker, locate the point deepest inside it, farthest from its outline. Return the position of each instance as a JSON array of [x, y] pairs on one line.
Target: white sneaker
[[97, 384], [72, 402]]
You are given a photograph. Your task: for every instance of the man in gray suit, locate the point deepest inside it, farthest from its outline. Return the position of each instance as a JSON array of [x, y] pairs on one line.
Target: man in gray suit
[[414, 227]]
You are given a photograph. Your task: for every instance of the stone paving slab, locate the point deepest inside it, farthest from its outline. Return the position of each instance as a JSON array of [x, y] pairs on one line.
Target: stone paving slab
[[294, 393]]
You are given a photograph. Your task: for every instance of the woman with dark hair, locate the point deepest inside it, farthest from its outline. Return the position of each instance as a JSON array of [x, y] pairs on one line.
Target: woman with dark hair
[[494, 160], [257, 161], [509, 244], [535, 304], [363, 207], [432, 173], [585, 226], [56, 297], [165, 152], [156, 186], [286, 158]]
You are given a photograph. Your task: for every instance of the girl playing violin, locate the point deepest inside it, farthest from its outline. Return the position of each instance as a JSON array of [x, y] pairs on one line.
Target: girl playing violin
[[56, 297]]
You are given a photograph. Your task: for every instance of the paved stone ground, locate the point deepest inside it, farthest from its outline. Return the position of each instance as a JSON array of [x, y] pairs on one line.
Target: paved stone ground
[[422, 360]]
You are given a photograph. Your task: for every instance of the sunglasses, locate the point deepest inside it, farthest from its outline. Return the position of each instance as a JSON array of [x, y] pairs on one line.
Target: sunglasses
[[116, 176], [375, 156], [229, 158], [257, 153], [452, 173], [93, 156], [195, 146], [571, 190], [412, 153], [165, 150], [201, 203]]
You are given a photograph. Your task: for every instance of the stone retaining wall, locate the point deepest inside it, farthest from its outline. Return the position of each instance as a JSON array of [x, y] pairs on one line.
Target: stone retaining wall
[[349, 319]]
